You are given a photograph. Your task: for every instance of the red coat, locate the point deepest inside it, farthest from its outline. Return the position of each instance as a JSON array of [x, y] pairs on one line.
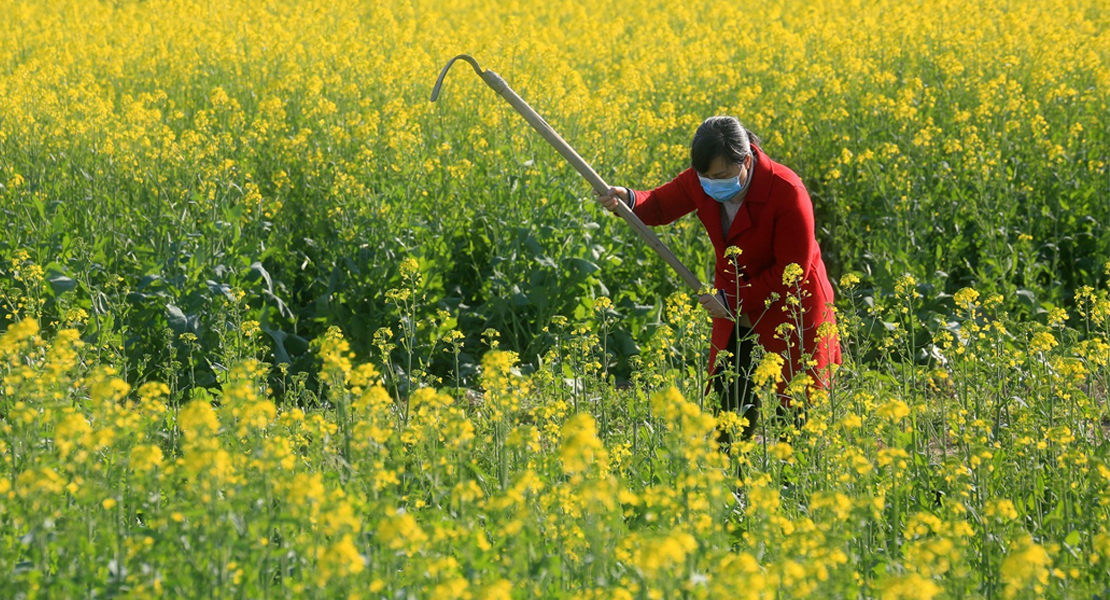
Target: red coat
[[773, 228]]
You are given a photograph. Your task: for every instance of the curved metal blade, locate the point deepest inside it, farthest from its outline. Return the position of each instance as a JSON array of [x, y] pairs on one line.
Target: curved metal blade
[[443, 73]]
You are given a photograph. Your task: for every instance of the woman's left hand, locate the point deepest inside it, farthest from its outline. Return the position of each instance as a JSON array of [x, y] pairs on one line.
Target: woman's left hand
[[713, 305]]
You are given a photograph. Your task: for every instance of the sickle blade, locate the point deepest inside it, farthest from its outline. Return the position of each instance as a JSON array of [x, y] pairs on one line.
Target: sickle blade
[[443, 73]]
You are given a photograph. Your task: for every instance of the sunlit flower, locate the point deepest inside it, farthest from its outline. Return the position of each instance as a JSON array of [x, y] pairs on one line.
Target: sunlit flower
[[1026, 564], [965, 297], [400, 531], [580, 448], [792, 274], [339, 559], [1042, 341], [894, 410], [146, 457], [769, 370]]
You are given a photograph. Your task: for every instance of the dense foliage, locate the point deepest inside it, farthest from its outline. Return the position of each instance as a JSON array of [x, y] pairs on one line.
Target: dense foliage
[[153, 155], [274, 325]]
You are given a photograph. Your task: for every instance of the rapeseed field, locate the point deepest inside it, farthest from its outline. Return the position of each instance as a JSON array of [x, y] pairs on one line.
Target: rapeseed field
[[273, 325]]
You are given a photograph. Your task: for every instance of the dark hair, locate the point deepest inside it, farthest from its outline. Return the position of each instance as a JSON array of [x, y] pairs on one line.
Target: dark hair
[[720, 136]]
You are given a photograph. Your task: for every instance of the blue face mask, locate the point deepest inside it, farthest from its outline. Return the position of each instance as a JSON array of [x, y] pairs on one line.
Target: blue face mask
[[722, 190]]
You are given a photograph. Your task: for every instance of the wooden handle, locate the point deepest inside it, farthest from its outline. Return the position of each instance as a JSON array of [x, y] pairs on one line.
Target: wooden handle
[[539, 124]]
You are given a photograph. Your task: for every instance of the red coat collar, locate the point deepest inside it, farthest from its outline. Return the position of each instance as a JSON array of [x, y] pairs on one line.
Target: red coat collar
[[760, 190]]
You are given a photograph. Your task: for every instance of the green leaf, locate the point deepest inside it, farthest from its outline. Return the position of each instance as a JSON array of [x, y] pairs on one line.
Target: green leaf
[[176, 319], [1073, 539], [60, 284], [258, 271]]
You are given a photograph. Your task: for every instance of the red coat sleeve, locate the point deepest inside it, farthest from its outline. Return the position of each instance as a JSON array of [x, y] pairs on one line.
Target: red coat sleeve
[[794, 242], [665, 203]]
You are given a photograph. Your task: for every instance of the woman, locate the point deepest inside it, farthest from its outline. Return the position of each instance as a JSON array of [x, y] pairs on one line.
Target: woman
[[748, 201]]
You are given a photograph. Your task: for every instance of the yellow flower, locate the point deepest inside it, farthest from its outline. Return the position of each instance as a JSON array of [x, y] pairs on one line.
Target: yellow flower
[[106, 387], [769, 370], [792, 274], [76, 315], [467, 491], [1026, 564], [337, 356], [454, 588], [895, 410], [401, 532], [762, 495], [837, 503], [247, 408], [43, 480], [580, 447], [70, 431], [965, 297], [197, 420], [498, 590], [783, 452], [504, 385], [409, 267], [153, 391], [910, 586], [1057, 317], [362, 376], [146, 457], [827, 332], [1002, 509], [851, 421], [250, 328], [151, 395], [1042, 341], [652, 555], [340, 559], [897, 457], [906, 286], [17, 336]]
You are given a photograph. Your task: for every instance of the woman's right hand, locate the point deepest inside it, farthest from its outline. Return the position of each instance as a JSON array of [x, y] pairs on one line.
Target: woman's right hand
[[609, 199]]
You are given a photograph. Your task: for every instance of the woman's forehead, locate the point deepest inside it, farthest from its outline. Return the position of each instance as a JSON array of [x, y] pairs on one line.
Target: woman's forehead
[[720, 164]]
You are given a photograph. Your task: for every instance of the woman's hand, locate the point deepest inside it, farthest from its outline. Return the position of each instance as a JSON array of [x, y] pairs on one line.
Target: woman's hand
[[609, 199], [717, 310], [713, 305]]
